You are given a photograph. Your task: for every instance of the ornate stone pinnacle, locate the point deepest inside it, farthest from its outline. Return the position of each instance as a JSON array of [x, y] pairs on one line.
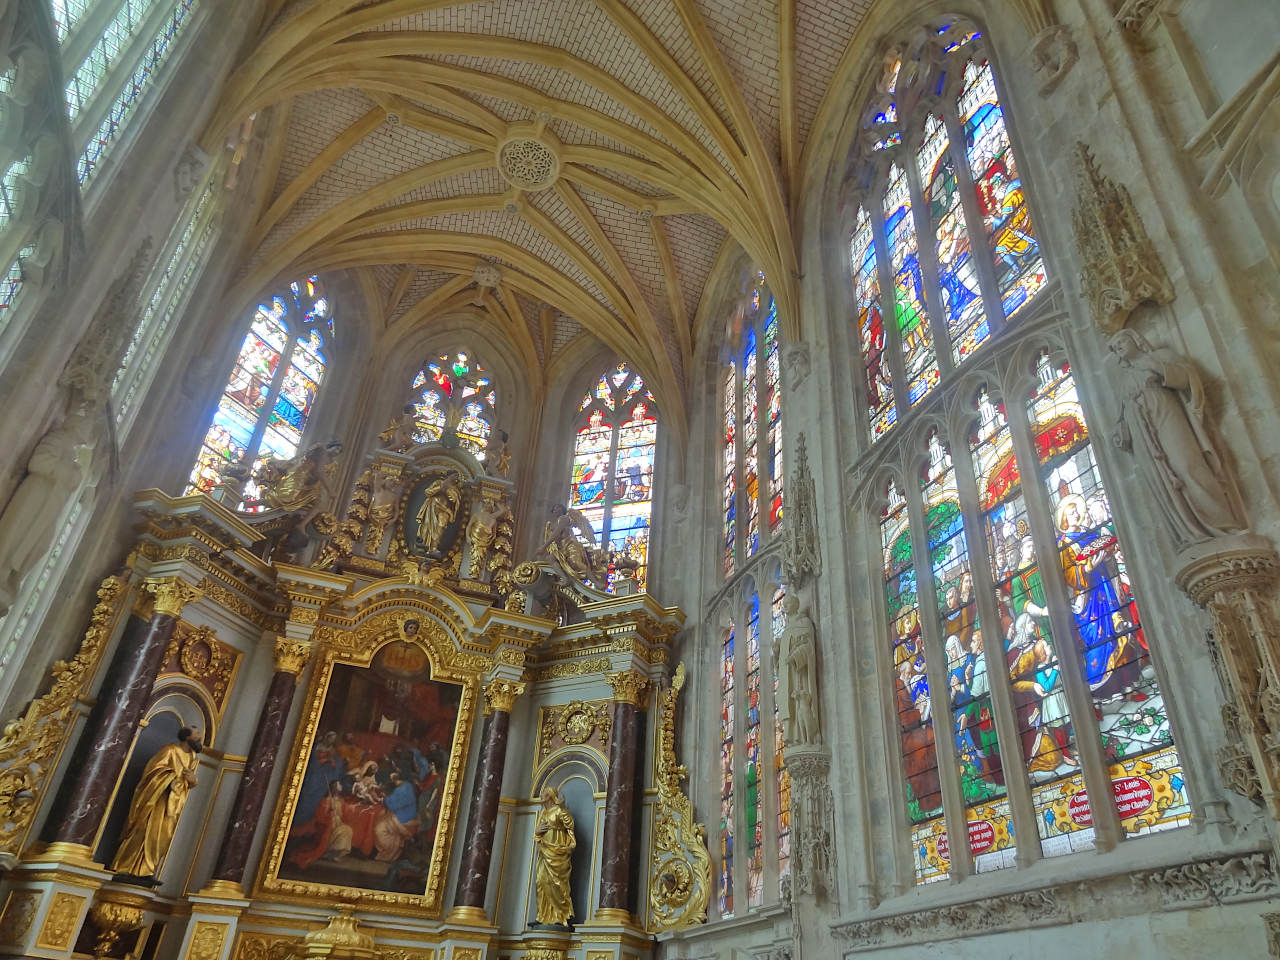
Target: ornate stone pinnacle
[[291, 655], [628, 687], [500, 694], [172, 594]]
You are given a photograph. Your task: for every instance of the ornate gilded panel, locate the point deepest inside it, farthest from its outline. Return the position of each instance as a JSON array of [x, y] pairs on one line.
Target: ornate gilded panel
[[580, 723], [198, 655], [60, 922]]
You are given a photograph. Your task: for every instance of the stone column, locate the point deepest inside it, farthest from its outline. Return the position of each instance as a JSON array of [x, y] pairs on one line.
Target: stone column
[[233, 856], [100, 755], [615, 858], [473, 879]]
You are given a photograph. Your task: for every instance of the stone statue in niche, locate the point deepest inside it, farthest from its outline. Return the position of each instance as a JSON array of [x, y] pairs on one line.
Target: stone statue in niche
[[1162, 422], [553, 843], [795, 653], [440, 506], [157, 805], [58, 465]]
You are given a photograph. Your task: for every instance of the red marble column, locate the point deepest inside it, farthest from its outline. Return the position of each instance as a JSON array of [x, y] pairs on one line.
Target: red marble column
[[81, 802], [619, 804], [246, 810], [482, 820]]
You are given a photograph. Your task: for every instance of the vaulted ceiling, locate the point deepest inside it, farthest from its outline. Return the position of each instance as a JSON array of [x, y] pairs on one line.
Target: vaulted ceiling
[[599, 153]]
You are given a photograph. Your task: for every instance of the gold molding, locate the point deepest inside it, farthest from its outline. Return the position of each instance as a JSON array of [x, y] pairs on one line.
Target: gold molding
[[61, 921]]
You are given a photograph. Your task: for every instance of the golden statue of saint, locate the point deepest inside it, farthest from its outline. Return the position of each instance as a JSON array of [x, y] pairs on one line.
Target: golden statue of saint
[[157, 805], [553, 846], [439, 507]]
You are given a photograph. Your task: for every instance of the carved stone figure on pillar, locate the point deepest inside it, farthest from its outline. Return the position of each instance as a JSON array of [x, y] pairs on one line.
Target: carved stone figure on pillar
[[795, 652], [382, 506], [553, 842], [58, 465], [1162, 422], [498, 455], [482, 530], [157, 805], [439, 508], [398, 435]]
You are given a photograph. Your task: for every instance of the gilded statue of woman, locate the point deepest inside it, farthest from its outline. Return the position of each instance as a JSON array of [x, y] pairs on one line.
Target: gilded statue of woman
[[439, 507], [553, 846], [157, 804]]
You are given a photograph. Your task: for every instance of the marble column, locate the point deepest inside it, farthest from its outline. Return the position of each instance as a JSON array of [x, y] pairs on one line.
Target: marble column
[[619, 804], [82, 800], [233, 856], [473, 880]]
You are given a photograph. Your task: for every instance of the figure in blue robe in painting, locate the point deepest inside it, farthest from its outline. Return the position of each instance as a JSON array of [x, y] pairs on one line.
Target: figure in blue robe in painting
[[1100, 612], [398, 822], [326, 767], [591, 484]]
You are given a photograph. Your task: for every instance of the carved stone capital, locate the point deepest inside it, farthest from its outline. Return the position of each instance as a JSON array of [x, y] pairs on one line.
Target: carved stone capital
[[1227, 565], [500, 694], [629, 687], [172, 594], [291, 655]]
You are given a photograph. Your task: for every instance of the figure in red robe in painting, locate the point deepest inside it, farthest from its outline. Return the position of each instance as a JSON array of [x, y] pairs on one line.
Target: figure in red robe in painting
[[326, 834]]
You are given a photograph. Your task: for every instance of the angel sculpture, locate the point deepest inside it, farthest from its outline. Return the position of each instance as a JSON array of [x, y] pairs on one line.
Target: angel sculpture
[[560, 543], [300, 485]]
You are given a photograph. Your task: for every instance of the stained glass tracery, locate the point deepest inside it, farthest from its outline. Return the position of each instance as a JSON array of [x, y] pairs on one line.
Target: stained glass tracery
[[612, 474], [453, 391], [273, 384]]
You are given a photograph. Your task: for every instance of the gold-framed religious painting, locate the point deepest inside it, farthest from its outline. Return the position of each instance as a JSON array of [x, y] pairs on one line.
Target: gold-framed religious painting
[[369, 804]]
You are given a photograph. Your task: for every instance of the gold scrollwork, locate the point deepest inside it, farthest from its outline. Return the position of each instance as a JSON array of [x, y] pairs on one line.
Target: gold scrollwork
[[266, 946], [680, 866], [29, 743], [207, 940], [574, 668], [60, 922]]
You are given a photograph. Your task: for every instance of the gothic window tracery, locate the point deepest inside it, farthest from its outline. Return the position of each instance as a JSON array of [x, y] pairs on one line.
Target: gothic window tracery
[[612, 474], [272, 387], [454, 391], [944, 255]]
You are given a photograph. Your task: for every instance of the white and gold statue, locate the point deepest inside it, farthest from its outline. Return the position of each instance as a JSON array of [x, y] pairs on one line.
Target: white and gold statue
[[575, 552], [439, 508], [483, 529], [157, 804], [553, 842]]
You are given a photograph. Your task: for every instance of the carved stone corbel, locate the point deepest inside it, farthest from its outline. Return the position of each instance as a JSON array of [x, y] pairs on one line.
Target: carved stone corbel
[[812, 821], [1119, 266]]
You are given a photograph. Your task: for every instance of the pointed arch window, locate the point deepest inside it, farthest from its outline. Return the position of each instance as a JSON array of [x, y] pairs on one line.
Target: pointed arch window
[[1021, 669], [941, 225], [752, 431], [454, 393], [272, 387], [612, 473]]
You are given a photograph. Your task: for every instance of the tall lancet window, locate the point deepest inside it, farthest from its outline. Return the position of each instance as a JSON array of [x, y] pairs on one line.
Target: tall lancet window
[[943, 246], [752, 430], [273, 384], [613, 450], [454, 393]]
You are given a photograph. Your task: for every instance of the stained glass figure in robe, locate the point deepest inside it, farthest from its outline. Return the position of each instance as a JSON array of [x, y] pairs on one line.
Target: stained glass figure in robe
[[730, 467], [1041, 710], [962, 306], [1150, 786], [910, 315], [773, 391], [875, 361], [779, 616], [727, 693], [750, 444], [911, 686], [455, 389], [754, 796], [1016, 248]]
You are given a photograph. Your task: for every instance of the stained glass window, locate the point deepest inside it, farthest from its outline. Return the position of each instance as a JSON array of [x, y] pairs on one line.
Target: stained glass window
[[727, 694], [453, 394], [779, 617], [753, 800], [612, 476], [752, 434], [959, 161], [272, 387]]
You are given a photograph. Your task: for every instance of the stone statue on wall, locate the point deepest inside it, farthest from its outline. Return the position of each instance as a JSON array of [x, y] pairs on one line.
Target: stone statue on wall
[[482, 530], [795, 653], [574, 551], [497, 458], [398, 435], [300, 485], [439, 508], [157, 804], [384, 498], [1162, 421], [553, 843], [58, 465]]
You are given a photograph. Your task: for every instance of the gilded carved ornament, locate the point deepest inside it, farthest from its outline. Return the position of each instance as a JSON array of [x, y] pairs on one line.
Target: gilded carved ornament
[[291, 655], [112, 919], [680, 866], [61, 921], [207, 940], [1120, 268], [500, 694], [172, 594], [628, 687], [30, 743]]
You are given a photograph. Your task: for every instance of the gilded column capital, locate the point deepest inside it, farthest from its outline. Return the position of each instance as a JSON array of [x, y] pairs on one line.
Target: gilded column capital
[[291, 655], [500, 694], [172, 594], [629, 687]]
